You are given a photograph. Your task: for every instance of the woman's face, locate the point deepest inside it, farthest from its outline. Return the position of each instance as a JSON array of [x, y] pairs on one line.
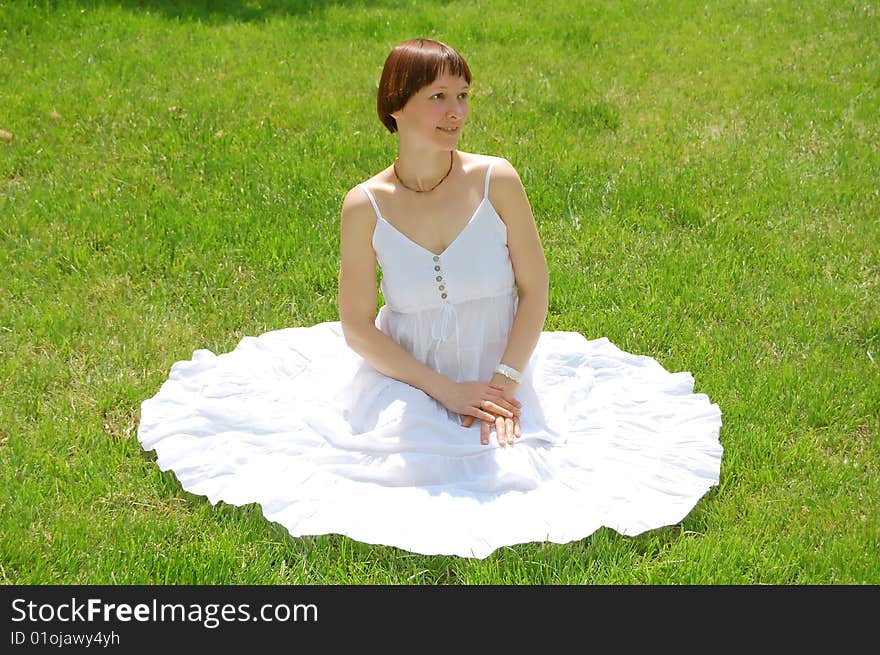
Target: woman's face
[[436, 113]]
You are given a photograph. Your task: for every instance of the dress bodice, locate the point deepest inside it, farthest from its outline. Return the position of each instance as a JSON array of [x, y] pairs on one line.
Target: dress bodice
[[475, 265], [452, 311]]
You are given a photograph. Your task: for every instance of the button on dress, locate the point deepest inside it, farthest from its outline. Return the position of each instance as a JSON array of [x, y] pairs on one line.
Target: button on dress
[[296, 421]]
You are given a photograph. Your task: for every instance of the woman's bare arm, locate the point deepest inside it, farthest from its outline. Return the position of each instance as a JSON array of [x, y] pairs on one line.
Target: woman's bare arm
[[529, 264], [357, 300], [532, 281]]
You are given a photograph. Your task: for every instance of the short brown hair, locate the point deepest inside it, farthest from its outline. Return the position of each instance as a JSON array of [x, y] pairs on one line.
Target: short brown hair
[[412, 65]]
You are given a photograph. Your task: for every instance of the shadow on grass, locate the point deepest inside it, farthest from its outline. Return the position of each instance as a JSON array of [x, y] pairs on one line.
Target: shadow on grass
[[222, 11]]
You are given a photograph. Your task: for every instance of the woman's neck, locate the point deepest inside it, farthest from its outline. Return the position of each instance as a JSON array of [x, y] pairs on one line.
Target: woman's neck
[[421, 168]]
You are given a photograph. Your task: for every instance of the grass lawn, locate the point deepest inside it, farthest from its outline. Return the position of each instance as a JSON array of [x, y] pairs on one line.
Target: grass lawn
[[705, 180]]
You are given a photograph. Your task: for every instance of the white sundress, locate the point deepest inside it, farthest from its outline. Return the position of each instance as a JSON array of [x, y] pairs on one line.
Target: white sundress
[[298, 422]]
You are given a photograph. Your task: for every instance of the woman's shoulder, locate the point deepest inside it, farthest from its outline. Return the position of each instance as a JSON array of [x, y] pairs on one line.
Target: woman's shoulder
[[480, 163], [357, 196], [476, 161], [357, 205], [355, 202]]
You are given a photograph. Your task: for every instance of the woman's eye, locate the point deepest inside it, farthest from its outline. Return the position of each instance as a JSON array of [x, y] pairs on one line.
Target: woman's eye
[[463, 96], [439, 96]]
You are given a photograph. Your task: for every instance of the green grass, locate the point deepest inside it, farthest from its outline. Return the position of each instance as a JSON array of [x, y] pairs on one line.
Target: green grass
[[705, 180]]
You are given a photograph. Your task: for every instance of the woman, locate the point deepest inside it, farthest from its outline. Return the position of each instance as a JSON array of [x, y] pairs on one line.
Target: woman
[[433, 192], [368, 426]]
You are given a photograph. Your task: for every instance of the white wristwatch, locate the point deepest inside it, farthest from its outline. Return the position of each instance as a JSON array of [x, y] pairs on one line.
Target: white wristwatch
[[509, 372]]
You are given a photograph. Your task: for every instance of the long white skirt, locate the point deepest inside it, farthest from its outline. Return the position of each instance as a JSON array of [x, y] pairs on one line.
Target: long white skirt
[[297, 422]]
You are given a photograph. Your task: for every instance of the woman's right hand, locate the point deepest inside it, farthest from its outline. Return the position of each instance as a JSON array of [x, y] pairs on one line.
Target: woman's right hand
[[482, 400]]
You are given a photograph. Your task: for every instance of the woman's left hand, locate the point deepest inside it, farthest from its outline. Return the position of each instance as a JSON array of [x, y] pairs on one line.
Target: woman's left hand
[[507, 430]]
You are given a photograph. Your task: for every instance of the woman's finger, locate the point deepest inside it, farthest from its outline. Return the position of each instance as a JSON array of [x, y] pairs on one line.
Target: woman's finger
[[497, 398], [508, 430], [503, 402], [500, 431], [467, 421], [495, 408], [517, 429], [483, 416], [485, 428]]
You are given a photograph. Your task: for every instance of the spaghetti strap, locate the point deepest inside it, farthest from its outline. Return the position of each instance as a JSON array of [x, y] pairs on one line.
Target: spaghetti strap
[[372, 200], [488, 173]]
